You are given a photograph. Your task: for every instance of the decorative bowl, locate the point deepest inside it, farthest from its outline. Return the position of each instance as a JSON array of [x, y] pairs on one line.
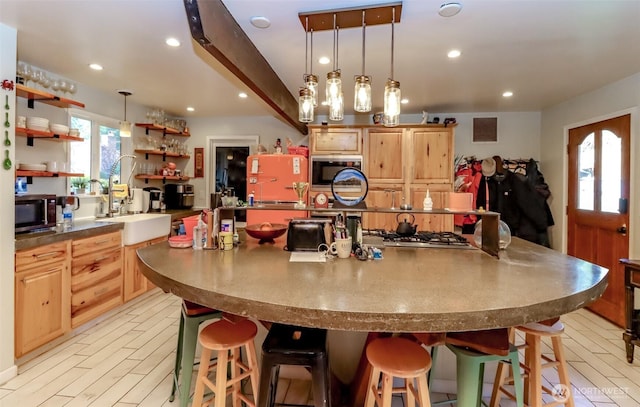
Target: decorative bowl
[[180, 241], [266, 232]]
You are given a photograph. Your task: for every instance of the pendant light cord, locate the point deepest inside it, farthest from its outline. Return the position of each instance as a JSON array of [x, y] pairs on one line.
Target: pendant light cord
[[364, 25], [393, 20], [306, 48], [311, 59]]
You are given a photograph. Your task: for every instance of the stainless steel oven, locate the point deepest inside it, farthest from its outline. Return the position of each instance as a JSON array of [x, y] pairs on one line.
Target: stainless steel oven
[[35, 212], [322, 169]]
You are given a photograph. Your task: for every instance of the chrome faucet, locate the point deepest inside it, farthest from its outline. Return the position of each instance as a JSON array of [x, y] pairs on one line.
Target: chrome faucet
[[110, 211]]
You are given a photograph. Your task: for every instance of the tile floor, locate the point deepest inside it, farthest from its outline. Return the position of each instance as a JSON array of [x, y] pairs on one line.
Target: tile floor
[[126, 360]]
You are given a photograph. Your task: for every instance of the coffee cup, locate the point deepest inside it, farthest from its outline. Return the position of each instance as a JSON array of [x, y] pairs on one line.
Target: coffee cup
[[225, 240], [341, 248], [52, 166]]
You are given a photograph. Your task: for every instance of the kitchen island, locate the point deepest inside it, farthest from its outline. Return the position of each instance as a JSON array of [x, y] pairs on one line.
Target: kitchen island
[[410, 290]]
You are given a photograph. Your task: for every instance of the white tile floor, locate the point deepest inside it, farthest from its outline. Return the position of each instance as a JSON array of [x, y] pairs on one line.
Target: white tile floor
[[126, 360]]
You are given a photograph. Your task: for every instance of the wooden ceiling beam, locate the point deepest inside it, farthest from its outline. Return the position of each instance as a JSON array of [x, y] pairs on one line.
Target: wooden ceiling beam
[[215, 29]]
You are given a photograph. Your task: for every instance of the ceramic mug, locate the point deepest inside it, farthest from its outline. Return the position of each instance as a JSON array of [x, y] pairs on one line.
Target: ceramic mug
[[225, 240], [341, 247]]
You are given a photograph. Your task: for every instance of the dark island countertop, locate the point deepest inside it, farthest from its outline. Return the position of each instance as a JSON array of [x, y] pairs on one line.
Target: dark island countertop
[[410, 290]]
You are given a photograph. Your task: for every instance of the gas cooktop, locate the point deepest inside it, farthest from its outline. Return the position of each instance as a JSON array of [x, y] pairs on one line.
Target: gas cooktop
[[423, 239]]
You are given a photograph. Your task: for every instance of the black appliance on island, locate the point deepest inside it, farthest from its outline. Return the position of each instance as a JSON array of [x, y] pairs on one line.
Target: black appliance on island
[[179, 196]]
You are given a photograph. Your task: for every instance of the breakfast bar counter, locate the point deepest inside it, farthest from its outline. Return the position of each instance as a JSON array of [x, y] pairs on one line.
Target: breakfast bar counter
[[410, 290]]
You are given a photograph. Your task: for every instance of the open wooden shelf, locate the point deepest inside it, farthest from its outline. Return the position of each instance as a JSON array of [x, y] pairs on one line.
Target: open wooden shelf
[[24, 132], [27, 173], [164, 130], [45, 97], [162, 153], [164, 178]]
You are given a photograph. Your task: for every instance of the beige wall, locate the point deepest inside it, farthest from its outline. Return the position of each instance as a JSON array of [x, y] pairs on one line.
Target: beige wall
[[609, 101]]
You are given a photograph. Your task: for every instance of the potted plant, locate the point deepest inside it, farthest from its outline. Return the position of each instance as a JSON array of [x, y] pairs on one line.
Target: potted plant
[[79, 184]]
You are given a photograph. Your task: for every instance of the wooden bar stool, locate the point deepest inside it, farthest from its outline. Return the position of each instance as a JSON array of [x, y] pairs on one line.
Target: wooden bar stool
[[402, 358], [225, 336], [294, 345], [533, 365], [191, 316]]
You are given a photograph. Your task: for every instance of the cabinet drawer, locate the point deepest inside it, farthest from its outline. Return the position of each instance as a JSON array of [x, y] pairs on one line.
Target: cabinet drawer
[[94, 268], [95, 300], [93, 244], [336, 141], [39, 256], [635, 278]]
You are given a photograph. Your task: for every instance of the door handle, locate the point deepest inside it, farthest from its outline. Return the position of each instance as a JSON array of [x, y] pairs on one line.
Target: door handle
[[622, 229]]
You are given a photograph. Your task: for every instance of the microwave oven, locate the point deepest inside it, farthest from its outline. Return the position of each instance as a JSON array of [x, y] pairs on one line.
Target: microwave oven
[[35, 212], [322, 169]]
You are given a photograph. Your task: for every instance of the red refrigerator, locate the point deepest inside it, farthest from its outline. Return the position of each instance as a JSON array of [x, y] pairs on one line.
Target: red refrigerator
[[270, 178]]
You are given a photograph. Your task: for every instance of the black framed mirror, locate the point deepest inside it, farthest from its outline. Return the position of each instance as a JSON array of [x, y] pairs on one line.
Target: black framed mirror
[[349, 188]]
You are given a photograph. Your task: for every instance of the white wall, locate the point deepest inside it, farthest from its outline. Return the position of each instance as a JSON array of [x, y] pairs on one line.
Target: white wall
[[609, 101], [8, 39]]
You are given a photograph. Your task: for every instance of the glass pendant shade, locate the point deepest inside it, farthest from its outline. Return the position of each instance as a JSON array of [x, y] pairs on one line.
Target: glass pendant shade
[[334, 86], [125, 129], [362, 100], [336, 108], [392, 103], [305, 106], [311, 83]]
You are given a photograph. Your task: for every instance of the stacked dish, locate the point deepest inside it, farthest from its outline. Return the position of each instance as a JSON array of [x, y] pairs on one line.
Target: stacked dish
[[38, 123], [180, 241], [74, 132], [59, 129], [32, 167]]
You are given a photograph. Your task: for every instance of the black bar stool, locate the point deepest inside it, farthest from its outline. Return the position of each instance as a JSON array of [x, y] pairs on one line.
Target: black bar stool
[[293, 345]]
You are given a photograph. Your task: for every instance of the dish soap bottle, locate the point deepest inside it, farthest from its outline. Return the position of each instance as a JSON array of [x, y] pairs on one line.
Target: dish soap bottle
[[427, 204]]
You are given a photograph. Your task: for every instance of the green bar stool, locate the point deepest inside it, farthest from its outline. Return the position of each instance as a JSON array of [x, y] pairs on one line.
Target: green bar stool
[[473, 350], [191, 317]]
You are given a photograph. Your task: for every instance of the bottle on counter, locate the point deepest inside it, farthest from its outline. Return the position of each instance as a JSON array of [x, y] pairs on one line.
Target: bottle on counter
[[67, 217], [251, 198]]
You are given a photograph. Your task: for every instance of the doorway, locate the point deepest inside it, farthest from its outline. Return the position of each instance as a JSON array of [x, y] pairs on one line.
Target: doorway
[[228, 164], [598, 204]]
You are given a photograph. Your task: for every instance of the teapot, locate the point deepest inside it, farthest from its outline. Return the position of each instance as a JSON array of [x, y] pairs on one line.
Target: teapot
[[405, 228]]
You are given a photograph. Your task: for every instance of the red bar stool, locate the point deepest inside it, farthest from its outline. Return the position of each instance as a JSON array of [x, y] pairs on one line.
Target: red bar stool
[[225, 336], [402, 358], [533, 365]]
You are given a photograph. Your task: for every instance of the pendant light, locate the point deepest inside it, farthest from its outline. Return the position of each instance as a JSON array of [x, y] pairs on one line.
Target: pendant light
[[392, 89], [311, 80], [334, 95], [125, 126], [362, 94], [305, 98]]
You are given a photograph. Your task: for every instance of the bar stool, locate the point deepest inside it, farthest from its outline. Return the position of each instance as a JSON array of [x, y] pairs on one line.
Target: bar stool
[[474, 349], [293, 345], [401, 358], [533, 366], [191, 316], [225, 336]]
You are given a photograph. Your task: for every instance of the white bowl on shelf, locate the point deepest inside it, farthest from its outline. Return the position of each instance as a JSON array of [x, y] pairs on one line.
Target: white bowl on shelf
[[32, 167], [59, 128], [38, 123], [74, 132]]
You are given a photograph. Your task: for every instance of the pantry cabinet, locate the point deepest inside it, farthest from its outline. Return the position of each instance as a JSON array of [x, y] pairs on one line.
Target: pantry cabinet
[[96, 276], [335, 140], [135, 283], [42, 295]]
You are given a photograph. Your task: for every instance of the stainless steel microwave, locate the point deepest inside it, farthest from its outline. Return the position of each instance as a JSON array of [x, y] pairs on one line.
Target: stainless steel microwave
[[322, 169], [35, 212]]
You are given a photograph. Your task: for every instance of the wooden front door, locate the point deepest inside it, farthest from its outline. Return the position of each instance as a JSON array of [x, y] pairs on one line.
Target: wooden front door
[[597, 212]]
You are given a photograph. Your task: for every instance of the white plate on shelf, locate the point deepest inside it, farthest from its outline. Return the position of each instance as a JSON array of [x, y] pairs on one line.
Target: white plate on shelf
[[32, 167]]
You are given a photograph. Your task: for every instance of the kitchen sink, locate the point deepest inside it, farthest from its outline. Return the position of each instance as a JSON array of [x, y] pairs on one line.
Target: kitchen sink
[[142, 226]]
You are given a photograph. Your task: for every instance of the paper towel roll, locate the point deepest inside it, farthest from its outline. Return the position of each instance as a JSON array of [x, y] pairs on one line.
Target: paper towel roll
[[136, 200]]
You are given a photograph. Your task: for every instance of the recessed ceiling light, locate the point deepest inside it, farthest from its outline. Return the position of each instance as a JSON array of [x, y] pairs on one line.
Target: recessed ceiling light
[[242, 95], [96, 67], [190, 109], [260, 22], [324, 60], [454, 53], [172, 42], [507, 94], [404, 101], [450, 9]]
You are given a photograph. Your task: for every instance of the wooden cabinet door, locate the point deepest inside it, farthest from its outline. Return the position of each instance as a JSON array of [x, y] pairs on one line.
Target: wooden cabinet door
[[39, 306], [432, 156], [380, 197], [439, 194], [384, 155], [329, 140], [135, 283]]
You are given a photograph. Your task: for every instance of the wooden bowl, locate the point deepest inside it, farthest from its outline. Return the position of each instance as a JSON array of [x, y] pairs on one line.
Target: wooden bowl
[[266, 232]]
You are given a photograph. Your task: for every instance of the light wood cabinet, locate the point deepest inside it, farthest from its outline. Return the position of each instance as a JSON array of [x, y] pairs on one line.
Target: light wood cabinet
[[333, 140], [405, 161], [96, 276], [135, 283], [41, 296]]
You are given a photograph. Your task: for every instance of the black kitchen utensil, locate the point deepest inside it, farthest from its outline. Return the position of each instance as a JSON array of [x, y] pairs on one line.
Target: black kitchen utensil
[[405, 228]]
